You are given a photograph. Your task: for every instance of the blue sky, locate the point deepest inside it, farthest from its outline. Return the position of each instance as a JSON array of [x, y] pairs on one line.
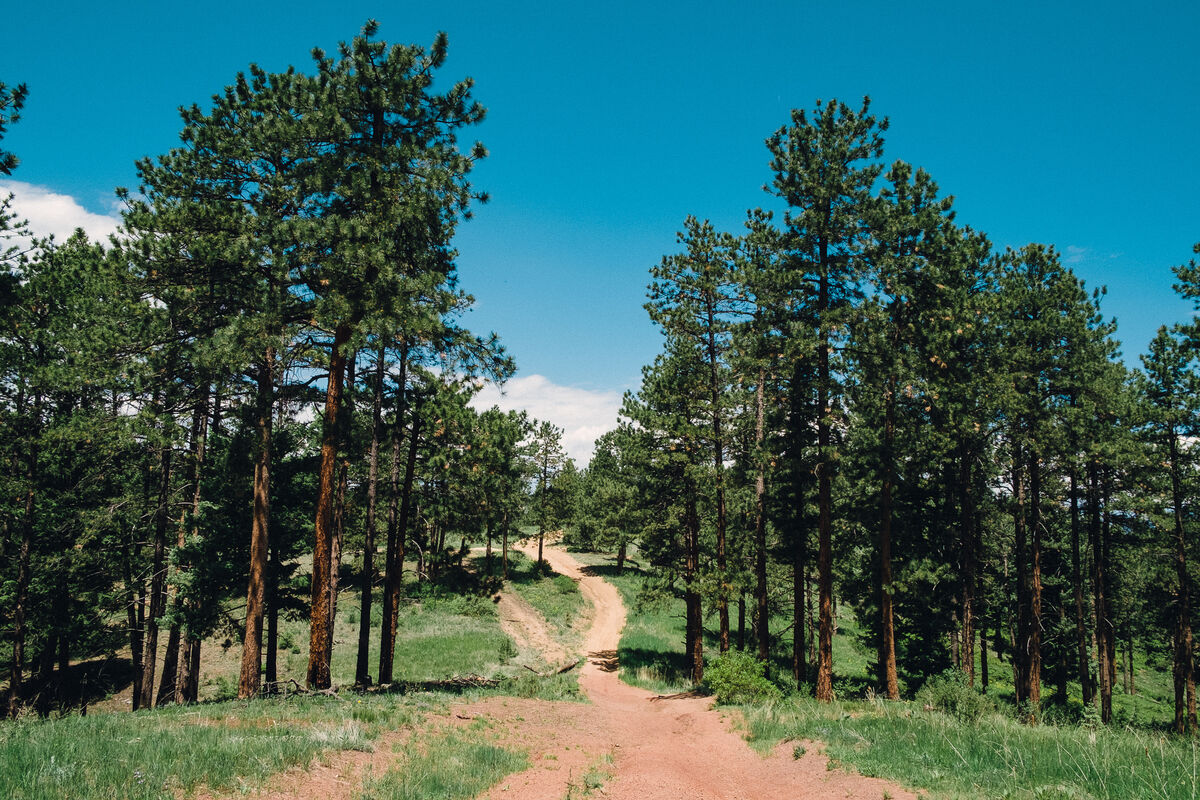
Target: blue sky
[[1073, 124]]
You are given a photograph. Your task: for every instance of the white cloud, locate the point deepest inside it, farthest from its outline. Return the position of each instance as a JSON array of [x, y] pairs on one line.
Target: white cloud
[[1076, 255], [583, 414], [49, 212]]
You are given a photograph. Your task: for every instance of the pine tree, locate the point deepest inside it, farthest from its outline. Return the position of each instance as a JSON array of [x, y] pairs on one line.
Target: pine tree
[[548, 460], [1171, 386], [694, 299], [394, 184], [824, 170]]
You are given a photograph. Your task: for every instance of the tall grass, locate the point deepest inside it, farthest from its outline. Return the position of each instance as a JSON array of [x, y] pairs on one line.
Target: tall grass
[[992, 756], [454, 765], [161, 753]]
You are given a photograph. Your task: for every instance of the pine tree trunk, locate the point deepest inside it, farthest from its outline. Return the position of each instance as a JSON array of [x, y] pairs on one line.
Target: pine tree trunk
[[504, 547], [981, 599], [362, 675], [969, 559], [319, 646], [1035, 598], [741, 622], [887, 629], [487, 556], [1105, 634], [1021, 647], [64, 653], [1084, 669], [133, 614], [271, 659], [339, 505], [824, 691], [193, 687], [166, 684], [1183, 668], [158, 580], [762, 613], [199, 447], [695, 620], [250, 680], [395, 578], [719, 472], [390, 600], [335, 557]]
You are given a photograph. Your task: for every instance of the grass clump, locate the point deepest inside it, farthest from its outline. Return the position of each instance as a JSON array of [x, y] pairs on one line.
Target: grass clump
[[736, 676], [951, 694], [454, 765], [990, 756]]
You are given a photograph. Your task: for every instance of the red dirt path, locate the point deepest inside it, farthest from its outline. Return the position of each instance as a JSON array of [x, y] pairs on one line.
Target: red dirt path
[[647, 747], [659, 747]]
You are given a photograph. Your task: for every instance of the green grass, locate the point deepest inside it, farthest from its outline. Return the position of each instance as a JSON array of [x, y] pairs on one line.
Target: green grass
[[993, 756], [158, 754], [651, 651], [439, 635], [555, 596], [453, 765]]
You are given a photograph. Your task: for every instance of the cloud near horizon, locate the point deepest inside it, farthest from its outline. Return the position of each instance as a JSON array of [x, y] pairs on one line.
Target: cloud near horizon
[[50, 212], [583, 414]]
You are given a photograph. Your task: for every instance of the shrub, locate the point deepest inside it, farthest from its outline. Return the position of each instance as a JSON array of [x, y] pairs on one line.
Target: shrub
[[738, 677], [950, 694]]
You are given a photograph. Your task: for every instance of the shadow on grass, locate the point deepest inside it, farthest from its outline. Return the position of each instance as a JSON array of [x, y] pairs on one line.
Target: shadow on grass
[[610, 570], [79, 686], [521, 570], [667, 667]]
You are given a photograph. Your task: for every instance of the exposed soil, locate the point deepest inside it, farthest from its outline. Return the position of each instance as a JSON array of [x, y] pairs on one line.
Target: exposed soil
[[659, 747], [626, 744]]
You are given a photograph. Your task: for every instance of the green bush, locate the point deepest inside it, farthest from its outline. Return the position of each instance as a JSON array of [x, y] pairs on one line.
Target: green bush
[[950, 694], [738, 677]]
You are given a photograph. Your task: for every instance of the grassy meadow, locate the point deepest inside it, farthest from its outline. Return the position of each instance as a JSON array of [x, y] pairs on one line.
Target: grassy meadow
[[230, 746], [951, 741]]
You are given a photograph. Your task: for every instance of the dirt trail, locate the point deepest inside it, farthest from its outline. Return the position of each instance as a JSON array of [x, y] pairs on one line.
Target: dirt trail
[[647, 747], [659, 747]]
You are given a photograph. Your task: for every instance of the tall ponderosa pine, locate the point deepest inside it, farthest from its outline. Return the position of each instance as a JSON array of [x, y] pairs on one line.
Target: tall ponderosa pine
[[221, 217], [695, 301], [394, 183], [1171, 387], [548, 460], [910, 229], [825, 168]]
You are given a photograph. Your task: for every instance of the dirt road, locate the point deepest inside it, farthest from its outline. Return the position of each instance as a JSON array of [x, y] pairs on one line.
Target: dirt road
[[626, 744], [648, 747]]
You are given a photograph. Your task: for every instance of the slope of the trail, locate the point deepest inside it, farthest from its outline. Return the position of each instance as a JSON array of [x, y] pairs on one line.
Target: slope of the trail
[[658, 748]]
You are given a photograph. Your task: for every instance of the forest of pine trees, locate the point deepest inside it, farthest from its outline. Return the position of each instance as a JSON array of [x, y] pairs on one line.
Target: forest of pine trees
[[861, 407], [266, 362], [861, 404]]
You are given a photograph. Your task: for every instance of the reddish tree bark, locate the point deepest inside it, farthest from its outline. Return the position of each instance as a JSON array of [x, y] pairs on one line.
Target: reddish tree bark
[[250, 681], [319, 646]]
